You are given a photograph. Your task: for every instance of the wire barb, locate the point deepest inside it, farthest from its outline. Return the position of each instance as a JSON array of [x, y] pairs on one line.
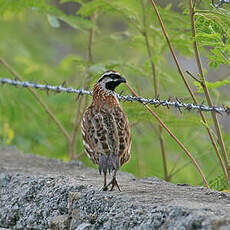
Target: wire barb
[[178, 104], [220, 3]]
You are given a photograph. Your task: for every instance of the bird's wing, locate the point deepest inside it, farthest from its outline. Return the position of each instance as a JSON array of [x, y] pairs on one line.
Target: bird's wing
[[106, 132], [124, 135], [88, 133], [97, 131]]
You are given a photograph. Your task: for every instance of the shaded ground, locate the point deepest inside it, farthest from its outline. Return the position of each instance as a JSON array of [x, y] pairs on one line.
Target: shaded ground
[[41, 193]]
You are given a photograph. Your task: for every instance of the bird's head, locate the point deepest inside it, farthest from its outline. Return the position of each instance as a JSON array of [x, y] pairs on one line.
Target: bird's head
[[110, 80]]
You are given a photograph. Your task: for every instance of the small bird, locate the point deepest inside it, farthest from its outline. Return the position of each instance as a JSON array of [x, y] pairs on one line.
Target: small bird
[[105, 128]]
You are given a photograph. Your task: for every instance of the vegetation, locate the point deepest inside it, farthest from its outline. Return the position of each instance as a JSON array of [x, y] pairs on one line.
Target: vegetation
[[74, 41]]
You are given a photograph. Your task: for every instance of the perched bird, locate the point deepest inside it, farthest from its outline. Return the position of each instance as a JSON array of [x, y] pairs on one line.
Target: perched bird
[[105, 128]]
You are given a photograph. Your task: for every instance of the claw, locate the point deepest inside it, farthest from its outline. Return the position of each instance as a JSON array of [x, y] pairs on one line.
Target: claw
[[114, 183], [104, 188]]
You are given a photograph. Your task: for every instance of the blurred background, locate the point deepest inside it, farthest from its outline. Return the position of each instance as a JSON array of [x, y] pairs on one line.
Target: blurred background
[[76, 41]]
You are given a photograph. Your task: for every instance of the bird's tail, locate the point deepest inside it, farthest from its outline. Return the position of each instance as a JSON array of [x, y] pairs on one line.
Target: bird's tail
[[108, 163]]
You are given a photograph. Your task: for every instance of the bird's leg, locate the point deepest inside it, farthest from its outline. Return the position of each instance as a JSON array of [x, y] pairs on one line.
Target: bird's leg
[[105, 188], [113, 182]]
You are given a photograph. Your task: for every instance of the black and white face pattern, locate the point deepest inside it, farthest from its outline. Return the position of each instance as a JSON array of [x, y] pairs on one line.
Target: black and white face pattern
[[110, 80]]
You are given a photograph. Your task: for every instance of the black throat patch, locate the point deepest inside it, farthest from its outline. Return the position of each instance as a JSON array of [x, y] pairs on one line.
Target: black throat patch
[[112, 85]]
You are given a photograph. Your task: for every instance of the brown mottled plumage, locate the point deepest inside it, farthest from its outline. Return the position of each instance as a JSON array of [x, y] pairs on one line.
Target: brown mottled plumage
[[105, 128]]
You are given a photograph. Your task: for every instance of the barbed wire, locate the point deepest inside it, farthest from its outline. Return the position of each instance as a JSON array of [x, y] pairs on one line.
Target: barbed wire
[[152, 101], [220, 3]]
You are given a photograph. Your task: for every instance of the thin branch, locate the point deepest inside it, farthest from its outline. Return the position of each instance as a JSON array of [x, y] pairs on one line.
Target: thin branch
[[79, 155], [75, 129], [192, 76], [163, 153], [140, 163], [91, 38], [208, 97], [40, 101], [194, 4], [174, 137], [172, 51], [149, 51], [86, 84], [90, 57], [186, 83], [156, 86], [175, 170]]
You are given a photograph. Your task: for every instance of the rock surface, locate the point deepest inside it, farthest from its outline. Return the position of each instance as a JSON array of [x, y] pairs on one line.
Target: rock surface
[[41, 193]]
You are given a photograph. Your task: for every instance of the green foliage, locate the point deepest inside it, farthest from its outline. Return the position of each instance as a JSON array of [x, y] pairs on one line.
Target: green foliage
[[213, 31], [41, 6], [48, 41], [219, 183], [212, 85]]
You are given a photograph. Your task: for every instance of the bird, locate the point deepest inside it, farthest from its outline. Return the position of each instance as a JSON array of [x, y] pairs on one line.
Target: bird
[[105, 128]]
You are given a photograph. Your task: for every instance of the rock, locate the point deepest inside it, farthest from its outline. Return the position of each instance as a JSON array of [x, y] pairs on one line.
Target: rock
[[41, 193]]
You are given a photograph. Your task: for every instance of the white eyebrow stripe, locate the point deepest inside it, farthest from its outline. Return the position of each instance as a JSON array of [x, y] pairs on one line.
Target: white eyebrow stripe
[[108, 73]]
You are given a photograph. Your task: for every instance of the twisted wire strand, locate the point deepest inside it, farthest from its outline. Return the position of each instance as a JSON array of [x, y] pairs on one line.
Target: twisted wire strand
[[220, 3], [152, 101]]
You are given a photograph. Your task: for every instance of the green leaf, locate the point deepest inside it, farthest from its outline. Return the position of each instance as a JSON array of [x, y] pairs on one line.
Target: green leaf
[[212, 85], [52, 12], [53, 21], [127, 8], [30, 66], [77, 1], [205, 39], [70, 60], [205, 71], [217, 84], [219, 183], [20, 5], [97, 68], [91, 7], [219, 55], [77, 22]]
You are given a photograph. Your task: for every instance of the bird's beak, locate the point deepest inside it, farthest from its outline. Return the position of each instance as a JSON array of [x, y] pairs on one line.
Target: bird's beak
[[121, 80]]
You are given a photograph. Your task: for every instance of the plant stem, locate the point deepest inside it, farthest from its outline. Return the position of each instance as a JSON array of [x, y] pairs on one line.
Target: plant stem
[[149, 50], [40, 101], [187, 86], [163, 153], [140, 163], [174, 137], [156, 88], [207, 94], [77, 122], [91, 38], [86, 86], [90, 57]]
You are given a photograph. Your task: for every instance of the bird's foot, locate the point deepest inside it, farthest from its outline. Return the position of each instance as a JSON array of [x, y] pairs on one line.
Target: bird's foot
[[104, 188], [114, 183]]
